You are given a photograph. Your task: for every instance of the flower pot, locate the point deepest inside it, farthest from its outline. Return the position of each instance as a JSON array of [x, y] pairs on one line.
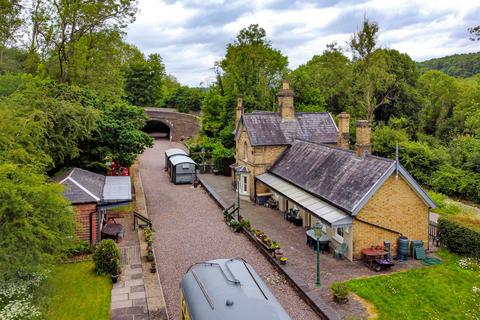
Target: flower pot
[[340, 300], [153, 268], [114, 277]]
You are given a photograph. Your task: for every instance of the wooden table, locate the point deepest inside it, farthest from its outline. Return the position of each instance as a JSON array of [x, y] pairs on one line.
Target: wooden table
[[312, 240], [375, 259]]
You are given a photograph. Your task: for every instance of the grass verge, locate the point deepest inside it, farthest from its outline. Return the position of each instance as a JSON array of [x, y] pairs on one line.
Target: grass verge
[[446, 291], [76, 292]]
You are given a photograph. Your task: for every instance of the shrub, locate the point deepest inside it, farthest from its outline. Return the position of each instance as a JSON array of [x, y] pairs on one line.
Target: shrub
[[235, 225], [107, 257], [443, 206], [340, 292], [460, 234], [78, 248]]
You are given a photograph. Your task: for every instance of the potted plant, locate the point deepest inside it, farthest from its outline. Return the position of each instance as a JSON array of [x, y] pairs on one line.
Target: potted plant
[[274, 245], [153, 268], [283, 260], [235, 225], [150, 256], [340, 292], [278, 253], [107, 259]]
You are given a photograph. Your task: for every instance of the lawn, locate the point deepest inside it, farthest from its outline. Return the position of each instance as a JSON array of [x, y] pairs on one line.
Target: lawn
[[76, 292], [445, 291]]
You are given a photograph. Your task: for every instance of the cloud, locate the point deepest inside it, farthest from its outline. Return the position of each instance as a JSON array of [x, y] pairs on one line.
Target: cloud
[[191, 35]]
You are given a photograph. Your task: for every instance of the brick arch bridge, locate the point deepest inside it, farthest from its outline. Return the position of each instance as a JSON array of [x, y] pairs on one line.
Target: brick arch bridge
[[182, 125]]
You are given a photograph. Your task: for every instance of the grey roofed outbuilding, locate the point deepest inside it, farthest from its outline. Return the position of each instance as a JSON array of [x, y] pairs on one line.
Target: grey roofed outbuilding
[[207, 287], [339, 176], [174, 151], [268, 128], [181, 159], [334, 216], [82, 186]]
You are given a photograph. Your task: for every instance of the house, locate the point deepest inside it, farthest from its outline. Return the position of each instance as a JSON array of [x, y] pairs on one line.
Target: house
[[91, 194], [359, 199], [261, 137]]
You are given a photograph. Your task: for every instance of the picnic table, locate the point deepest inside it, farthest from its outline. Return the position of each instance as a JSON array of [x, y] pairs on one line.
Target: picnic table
[[312, 241], [376, 259]]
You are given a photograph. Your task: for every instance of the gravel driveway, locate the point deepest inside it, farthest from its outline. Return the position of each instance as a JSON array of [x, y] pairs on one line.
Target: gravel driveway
[[189, 228]]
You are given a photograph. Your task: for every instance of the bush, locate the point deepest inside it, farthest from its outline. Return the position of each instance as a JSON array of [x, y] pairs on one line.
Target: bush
[[78, 248], [443, 206], [340, 292], [107, 257], [460, 234]]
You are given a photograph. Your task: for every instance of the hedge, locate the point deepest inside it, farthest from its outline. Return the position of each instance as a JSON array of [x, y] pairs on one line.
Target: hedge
[[459, 238]]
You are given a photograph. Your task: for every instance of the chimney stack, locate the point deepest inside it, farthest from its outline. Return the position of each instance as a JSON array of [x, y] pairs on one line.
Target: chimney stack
[[239, 112], [363, 145], [285, 102], [343, 130]]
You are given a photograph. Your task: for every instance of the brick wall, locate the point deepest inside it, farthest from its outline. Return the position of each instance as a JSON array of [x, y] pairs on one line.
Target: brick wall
[[82, 222], [394, 206]]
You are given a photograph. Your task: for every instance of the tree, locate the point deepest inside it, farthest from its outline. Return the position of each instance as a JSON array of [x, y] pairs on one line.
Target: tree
[[475, 32], [144, 80], [186, 99], [118, 136], [10, 21], [252, 68], [323, 83], [70, 21], [372, 79], [36, 221]]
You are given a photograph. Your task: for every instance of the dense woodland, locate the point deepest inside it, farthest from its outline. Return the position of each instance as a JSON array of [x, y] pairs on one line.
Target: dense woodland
[[71, 92]]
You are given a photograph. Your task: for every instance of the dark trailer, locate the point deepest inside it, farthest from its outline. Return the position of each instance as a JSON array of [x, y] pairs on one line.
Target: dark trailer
[[182, 169], [172, 153], [227, 289]]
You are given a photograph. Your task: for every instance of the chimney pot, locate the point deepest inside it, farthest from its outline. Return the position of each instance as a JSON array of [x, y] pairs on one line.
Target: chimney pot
[[363, 132], [343, 140], [239, 111]]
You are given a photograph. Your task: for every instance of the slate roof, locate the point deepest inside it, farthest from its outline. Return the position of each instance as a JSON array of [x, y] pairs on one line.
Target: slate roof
[[267, 128], [82, 186], [335, 175]]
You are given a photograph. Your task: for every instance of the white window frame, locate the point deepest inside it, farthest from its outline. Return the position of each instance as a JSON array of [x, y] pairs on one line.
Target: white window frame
[[243, 185], [245, 151], [338, 237]]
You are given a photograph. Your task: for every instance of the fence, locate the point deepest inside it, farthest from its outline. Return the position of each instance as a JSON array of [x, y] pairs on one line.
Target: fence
[[433, 233]]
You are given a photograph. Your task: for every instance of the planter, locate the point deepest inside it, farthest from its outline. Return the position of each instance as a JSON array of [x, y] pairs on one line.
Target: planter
[[150, 257], [114, 277], [340, 300], [283, 260], [153, 268]]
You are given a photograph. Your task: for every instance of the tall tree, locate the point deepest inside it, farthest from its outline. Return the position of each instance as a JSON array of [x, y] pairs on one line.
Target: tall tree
[[72, 20], [372, 79], [252, 68], [144, 80], [324, 83]]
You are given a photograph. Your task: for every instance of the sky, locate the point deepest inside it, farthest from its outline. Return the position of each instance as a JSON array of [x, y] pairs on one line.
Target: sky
[[191, 35]]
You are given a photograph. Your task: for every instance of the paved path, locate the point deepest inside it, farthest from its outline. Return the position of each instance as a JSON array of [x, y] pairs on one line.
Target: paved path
[[189, 228], [302, 259], [128, 294]]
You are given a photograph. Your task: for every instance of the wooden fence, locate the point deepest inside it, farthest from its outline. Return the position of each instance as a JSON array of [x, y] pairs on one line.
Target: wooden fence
[[433, 233]]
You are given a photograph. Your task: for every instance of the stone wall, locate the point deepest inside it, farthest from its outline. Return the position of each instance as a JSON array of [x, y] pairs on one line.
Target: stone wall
[[396, 209], [257, 160], [82, 221], [182, 125]]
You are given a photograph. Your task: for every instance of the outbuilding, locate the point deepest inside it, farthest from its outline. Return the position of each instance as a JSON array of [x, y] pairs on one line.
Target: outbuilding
[[172, 153], [182, 169]]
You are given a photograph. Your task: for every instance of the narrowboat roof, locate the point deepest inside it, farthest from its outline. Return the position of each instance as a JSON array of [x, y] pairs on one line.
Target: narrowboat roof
[[228, 289], [175, 151], [181, 159]]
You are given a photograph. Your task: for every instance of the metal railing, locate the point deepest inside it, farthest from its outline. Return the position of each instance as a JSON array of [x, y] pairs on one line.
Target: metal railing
[[137, 216]]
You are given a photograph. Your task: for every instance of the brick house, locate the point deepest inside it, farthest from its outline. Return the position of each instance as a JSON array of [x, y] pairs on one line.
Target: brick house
[[261, 137], [91, 194], [359, 199]]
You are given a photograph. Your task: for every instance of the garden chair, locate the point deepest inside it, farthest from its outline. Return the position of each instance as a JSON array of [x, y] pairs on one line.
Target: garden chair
[[338, 253]]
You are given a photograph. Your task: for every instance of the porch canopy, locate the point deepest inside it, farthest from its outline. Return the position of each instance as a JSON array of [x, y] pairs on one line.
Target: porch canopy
[[336, 218]]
